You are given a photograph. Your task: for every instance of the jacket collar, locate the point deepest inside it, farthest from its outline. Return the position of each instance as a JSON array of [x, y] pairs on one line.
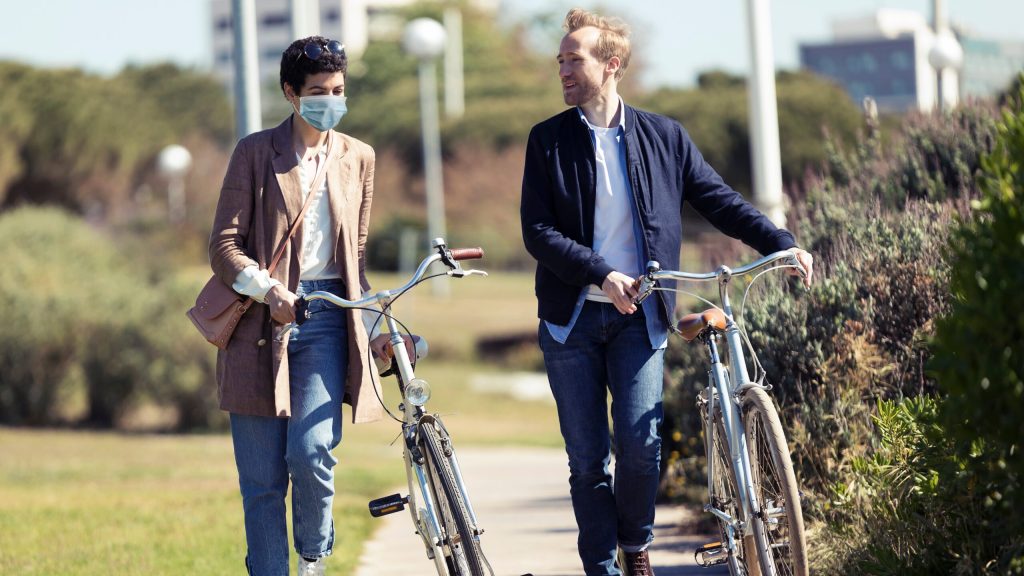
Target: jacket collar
[[282, 140], [624, 119], [286, 164]]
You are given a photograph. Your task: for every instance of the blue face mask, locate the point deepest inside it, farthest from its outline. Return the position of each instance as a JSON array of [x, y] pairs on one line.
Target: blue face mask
[[322, 112]]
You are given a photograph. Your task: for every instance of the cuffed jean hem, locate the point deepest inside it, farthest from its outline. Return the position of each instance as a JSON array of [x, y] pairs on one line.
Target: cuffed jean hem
[[634, 549]]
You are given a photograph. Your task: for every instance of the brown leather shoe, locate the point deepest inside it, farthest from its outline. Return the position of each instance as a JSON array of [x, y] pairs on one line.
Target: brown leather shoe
[[637, 564]]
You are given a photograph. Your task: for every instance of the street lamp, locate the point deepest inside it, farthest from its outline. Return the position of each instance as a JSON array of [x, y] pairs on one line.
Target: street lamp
[[424, 38], [174, 162]]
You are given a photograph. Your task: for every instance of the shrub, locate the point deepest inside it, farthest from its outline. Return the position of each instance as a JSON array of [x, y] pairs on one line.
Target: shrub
[[979, 347], [908, 508], [87, 334]]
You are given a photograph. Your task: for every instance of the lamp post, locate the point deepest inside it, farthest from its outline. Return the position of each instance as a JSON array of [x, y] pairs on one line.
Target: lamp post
[[945, 54], [424, 38], [764, 117], [174, 162], [248, 113]]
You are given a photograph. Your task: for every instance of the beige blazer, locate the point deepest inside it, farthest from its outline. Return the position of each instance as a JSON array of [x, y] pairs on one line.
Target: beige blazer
[[260, 198]]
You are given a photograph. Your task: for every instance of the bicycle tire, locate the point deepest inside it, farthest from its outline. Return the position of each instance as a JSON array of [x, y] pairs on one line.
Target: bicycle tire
[[779, 528], [466, 557], [724, 493]]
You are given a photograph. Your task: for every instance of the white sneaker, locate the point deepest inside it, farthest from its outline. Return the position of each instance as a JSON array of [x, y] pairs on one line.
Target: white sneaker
[[311, 568]]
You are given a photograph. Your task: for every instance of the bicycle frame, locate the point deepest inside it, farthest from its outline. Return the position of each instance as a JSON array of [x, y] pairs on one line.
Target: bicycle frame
[[424, 514], [726, 386]]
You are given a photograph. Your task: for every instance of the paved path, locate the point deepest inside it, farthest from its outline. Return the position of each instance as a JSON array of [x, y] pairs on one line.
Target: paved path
[[521, 497]]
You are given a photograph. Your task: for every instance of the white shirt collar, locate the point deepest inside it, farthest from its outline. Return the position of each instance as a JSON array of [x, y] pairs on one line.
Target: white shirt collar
[[622, 117]]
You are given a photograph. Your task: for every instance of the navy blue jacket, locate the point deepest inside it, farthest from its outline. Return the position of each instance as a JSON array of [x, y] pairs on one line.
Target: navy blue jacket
[[664, 169]]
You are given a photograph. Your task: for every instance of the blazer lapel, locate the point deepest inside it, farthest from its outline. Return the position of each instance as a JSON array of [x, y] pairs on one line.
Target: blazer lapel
[[286, 170], [339, 191]]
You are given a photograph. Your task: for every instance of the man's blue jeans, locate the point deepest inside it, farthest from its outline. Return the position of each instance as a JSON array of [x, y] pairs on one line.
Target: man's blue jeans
[[608, 352], [269, 450]]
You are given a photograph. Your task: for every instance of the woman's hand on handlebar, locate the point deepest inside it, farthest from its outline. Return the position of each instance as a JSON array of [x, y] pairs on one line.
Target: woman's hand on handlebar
[[381, 347], [282, 304]]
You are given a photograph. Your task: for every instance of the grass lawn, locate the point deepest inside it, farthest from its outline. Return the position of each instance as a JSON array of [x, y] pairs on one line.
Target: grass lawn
[[78, 503], [99, 503]]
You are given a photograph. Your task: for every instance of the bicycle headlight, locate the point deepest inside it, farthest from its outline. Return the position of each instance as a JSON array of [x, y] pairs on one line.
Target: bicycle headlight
[[417, 392]]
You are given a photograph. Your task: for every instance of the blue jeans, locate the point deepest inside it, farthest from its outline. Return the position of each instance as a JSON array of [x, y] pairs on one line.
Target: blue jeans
[[269, 450], [607, 351]]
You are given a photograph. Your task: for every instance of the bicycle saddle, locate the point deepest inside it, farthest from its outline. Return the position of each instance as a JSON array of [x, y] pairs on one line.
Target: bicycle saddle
[[691, 325]]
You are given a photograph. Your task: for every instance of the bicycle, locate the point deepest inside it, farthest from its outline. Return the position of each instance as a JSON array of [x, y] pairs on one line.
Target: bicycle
[[437, 500], [752, 489]]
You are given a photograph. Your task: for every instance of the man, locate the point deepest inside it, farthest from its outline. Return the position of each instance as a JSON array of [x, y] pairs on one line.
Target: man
[[603, 187]]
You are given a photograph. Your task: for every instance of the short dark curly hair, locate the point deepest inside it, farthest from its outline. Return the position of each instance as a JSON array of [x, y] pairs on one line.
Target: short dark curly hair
[[295, 66]]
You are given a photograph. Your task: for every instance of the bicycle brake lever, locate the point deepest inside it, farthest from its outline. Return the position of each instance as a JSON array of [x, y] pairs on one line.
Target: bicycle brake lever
[[301, 315], [460, 273], [282, 334], [645, 288]]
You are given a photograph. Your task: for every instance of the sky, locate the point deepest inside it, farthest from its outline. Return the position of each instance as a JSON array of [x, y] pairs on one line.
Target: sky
[[675, 39]]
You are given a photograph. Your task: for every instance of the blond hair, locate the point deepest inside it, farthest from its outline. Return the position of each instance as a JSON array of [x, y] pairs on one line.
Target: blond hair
[[613, 39]]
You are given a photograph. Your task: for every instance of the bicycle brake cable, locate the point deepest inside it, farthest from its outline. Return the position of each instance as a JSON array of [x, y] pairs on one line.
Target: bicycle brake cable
[[678, 291], [369, 353], [759, 372]]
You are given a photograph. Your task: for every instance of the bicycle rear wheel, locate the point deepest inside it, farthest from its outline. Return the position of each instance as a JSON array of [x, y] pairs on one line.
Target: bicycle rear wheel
[[460, 542], [779, 529], [724, 495]]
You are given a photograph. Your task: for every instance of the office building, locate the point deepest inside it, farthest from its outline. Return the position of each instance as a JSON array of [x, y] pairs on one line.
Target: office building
[[885, 56]]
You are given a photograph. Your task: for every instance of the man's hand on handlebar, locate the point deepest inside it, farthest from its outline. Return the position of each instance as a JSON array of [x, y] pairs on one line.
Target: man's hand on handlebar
[[806, 262], [621, 289]]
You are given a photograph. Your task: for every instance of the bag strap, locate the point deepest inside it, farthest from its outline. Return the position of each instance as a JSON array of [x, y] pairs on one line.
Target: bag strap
[[317, 180]]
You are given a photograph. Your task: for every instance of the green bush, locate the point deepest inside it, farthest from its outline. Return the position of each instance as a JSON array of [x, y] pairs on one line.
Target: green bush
[[87, 335], [909, 508], [979, 347]]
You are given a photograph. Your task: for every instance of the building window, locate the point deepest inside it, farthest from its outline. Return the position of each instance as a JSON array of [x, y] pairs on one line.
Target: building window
[[332, 15], [900, 60], [223, 23], [276, 19], [224, 57], [825, 65], [869, 62]]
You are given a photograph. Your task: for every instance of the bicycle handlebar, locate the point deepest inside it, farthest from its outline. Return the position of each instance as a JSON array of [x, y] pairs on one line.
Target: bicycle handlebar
[[723, 274], [448, 257], [467, 253]]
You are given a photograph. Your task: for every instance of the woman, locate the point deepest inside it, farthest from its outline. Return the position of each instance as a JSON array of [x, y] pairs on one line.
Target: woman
[[285, 397]]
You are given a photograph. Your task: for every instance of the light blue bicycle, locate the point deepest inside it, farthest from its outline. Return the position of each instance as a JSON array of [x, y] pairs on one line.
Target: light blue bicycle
[[752, 489]]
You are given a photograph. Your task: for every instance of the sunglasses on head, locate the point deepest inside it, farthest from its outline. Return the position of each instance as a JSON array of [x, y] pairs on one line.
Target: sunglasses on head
[[314, 50]]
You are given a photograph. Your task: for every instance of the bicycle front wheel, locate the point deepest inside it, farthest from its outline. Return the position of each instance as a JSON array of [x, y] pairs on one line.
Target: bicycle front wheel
[[462, 548], [779, 528]]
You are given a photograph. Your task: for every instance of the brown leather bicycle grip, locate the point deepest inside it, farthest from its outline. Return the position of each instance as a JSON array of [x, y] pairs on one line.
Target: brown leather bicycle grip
[[467, 253]]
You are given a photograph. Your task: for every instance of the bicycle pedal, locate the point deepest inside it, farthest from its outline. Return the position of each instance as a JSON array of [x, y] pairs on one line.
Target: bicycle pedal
[[711, 554], [387, 505]]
